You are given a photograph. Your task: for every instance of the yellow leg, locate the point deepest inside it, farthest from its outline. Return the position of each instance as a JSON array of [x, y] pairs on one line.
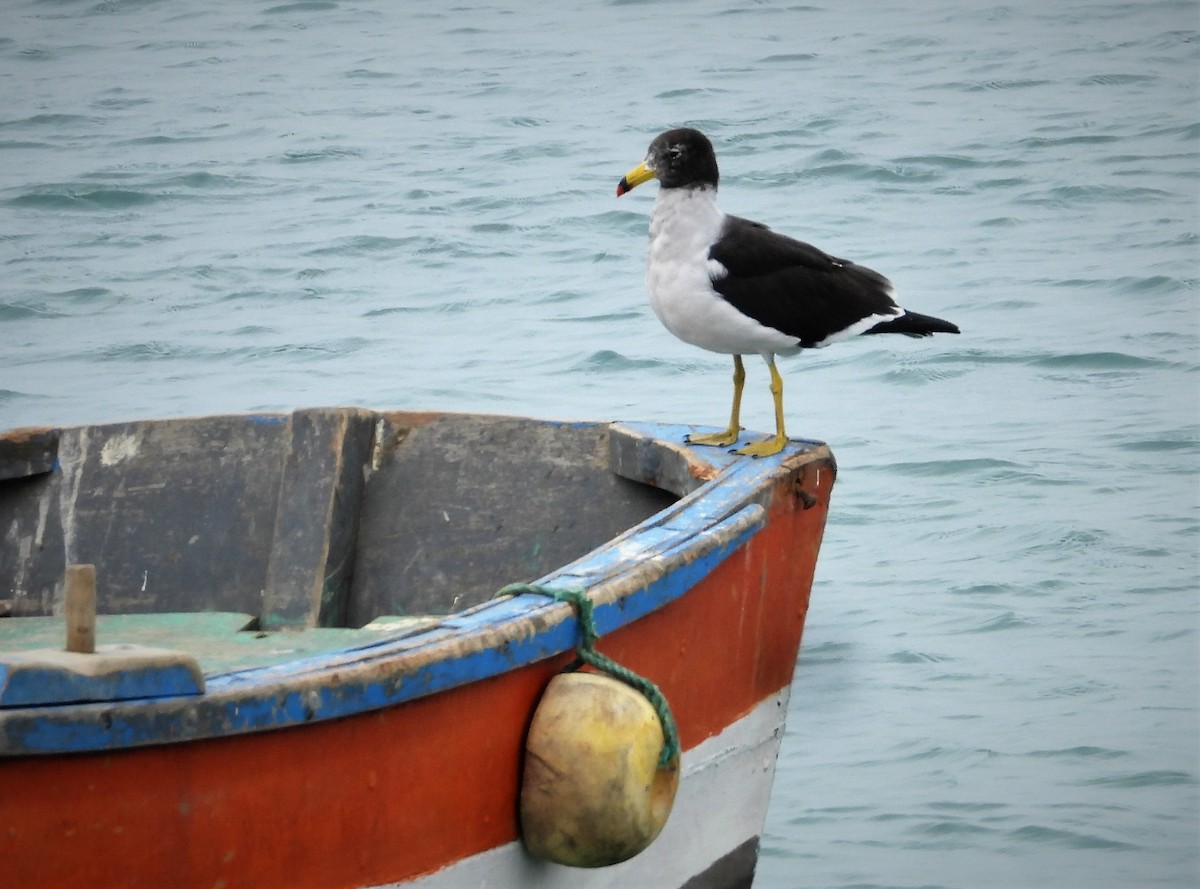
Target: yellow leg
[[730, 435], [775, 444]]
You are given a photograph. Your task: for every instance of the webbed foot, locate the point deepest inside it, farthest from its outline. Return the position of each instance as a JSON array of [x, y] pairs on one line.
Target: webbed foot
[[714, 439], [768, 447]]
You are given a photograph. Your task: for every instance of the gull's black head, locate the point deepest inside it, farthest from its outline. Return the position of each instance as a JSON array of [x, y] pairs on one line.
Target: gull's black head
[[683, 158], [680, 158]]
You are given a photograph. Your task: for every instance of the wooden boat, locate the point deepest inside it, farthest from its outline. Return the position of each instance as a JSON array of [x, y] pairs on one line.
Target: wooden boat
[[338, 698]]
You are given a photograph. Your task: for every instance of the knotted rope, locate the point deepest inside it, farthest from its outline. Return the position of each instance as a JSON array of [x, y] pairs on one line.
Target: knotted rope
[[586, 652]]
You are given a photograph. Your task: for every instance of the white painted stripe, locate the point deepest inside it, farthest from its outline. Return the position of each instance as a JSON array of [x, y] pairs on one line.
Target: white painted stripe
[[721, 803]]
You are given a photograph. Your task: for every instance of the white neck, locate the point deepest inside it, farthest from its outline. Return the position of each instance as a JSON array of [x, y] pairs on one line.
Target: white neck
[[688, 218]]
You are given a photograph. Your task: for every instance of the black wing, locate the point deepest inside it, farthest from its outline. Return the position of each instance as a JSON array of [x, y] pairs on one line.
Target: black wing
[[793, 287]]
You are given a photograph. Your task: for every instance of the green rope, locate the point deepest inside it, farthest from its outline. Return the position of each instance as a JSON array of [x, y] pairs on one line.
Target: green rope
[[586, 652]]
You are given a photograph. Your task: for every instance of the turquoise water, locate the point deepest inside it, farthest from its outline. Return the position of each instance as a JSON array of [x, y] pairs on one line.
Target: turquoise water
[[237, 206]]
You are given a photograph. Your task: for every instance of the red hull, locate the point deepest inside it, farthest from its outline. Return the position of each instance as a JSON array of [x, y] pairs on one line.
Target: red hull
[[391, 795]]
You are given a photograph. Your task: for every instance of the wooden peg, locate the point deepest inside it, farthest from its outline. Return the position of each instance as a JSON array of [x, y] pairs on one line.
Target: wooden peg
[[80, 590]]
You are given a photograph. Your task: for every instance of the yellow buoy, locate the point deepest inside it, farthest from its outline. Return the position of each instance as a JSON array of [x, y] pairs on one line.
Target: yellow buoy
[[592, 793]]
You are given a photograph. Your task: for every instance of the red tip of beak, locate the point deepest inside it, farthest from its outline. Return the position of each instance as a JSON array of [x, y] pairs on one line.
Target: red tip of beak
[[622, 187]]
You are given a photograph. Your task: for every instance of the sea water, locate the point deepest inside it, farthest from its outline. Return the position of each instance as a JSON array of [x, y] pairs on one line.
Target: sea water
[[244, 206]]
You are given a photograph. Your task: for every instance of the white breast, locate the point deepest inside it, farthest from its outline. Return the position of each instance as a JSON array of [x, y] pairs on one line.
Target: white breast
[[679, 276]]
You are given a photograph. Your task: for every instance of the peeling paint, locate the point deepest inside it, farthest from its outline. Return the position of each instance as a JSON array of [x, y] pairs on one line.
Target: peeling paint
[[118, 449], [72, 455]]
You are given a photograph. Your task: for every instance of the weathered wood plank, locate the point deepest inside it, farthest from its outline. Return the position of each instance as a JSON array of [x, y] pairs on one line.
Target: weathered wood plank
[[220, 641], [174, 514], [458, 506], [311, 561], [26, 452], [110, 673]]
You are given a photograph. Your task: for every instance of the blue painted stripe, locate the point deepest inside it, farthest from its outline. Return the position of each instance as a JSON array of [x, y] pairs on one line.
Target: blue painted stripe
[[27, 684], [253, 700]]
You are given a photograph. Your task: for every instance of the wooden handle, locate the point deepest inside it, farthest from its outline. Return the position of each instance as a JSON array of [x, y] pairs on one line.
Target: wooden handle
[[80, 589]]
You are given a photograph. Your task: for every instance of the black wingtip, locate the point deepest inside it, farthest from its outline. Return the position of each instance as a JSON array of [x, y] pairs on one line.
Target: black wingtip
[[913, 324]]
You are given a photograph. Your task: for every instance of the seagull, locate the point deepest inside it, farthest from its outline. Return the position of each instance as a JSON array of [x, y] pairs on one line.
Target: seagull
[[734, 286]]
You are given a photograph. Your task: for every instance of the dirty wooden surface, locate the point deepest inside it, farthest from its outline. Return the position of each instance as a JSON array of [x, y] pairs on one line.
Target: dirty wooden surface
[[328, 517]]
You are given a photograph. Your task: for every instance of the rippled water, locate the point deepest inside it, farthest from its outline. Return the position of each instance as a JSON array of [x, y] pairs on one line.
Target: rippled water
[[239, 206]]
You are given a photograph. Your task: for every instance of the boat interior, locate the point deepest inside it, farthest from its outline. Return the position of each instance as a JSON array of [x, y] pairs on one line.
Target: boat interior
[[328, 518]]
